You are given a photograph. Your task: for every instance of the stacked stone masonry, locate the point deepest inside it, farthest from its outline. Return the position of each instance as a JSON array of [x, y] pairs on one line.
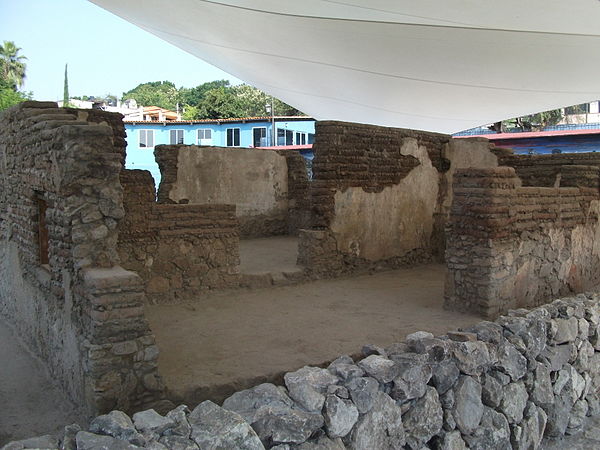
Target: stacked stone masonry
[[496, 385], [380, 197], [510, 246], [60, 282], [179, 250]]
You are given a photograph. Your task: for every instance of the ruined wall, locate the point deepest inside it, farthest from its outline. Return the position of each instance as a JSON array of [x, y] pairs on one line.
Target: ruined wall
[[496, 385], [60, 283], [179, 250], [511, 246], [378, 197], [255, 181], [546, 170]]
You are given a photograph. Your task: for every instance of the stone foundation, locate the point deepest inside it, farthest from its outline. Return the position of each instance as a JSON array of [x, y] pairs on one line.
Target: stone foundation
[[511, 246], [60, 280], [179, 250]]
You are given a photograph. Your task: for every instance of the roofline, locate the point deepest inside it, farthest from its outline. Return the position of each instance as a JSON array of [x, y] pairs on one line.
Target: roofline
[[531, 134], [219, 121]]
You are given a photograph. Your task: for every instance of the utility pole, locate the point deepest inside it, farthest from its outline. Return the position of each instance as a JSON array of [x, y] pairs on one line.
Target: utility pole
[[273, 134], [66, 90]]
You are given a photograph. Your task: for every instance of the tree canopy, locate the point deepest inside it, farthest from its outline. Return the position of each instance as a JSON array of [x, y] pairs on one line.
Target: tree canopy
[[12, 75], [212, 100], [12, 64]]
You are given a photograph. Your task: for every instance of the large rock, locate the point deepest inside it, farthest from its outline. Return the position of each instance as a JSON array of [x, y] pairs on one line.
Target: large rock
[[468, 407], [91, 441], [322, 443], [451, 441], [514, 402], [541, 391], [511, 362], [308, 385], [247, 402], [529, 433], [363, 392], [411, 381], [471, 357], [380, 368], [216, 428], [182, 427], [281, 424], [558, 417], [424, 419], [118, 425], [493, 433], [40, 442], [176, 442], [340, 416], [444, 376], [566, 330], [151, 422], [492, 391], [380, 428]]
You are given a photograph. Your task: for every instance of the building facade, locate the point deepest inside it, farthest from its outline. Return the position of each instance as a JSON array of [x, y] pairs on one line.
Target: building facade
[[143, 136]]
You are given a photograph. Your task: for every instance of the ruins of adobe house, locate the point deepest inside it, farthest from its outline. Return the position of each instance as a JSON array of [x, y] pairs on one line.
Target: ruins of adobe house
[[85, 244]]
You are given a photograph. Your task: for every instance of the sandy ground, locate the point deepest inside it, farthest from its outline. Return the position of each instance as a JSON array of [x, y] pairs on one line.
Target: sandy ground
[[30, 403], [234, 340], [272, 254]]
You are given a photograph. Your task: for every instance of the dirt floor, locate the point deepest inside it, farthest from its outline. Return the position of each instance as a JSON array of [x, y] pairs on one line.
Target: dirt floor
[[229, 341], [30, 404], [272, 254]]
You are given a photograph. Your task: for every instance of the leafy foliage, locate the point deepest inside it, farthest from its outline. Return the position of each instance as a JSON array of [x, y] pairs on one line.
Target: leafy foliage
[[12, 67], [155, 93], [12, 75], [212, 100], [537, 121]]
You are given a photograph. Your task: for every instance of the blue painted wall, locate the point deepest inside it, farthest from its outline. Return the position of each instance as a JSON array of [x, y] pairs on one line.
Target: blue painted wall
[[143, 157], [550, 144]]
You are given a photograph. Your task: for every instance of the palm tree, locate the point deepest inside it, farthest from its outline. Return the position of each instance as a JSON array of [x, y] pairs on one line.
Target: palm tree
[[12, 64]]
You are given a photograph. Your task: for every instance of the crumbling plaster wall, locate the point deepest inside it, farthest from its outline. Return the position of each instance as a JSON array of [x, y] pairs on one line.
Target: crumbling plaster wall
[[511, 246], [255, 181], [180, 251], [379, 196], [80, 312]]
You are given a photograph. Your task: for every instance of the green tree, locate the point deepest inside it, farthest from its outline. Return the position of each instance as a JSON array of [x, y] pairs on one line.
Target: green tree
[[163, 94], [194, 96], [13, 66], [537, 121]]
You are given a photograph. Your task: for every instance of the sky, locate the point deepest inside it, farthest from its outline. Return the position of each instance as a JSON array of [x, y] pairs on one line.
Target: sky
[[105, 54]]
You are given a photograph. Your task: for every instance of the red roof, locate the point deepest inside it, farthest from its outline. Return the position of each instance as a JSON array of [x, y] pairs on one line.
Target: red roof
[[287, 147]]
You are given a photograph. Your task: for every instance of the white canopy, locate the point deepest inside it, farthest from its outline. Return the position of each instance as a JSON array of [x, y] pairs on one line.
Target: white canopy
[[444, 65]]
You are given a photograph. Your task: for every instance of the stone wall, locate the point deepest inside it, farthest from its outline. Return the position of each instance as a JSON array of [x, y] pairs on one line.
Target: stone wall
[[257, 182], [497, 385], [179, 250], [60, 283], [511, 246], [380, 196]]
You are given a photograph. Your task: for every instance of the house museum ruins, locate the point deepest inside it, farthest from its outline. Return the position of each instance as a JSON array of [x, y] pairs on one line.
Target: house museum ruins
[[87, 247]]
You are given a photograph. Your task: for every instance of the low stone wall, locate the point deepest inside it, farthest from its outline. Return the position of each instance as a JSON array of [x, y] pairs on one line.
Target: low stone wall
[[179, 250], [511, 246], [380, 197], [60, 282], [268, 198], [497, 385]]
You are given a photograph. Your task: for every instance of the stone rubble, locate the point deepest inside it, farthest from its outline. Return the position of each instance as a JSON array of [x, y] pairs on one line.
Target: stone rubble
[[502, 385]]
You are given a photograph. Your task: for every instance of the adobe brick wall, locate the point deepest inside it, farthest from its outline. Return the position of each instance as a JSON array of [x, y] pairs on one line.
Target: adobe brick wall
[[81, 313], [542, 170], [511, 246], [179, 250], [379, 196], [268, 187]]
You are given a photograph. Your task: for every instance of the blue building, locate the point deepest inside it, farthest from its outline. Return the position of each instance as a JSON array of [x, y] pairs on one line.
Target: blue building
[[143, 136]]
